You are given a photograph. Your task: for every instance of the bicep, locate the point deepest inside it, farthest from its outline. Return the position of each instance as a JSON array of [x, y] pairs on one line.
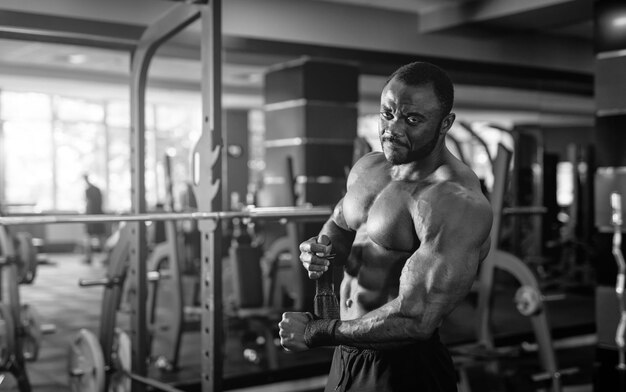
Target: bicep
[[438, 276], [440, 271]]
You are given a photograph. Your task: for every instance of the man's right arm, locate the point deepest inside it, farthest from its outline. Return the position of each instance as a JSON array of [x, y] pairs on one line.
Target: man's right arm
[[340, 234], [341, 237]]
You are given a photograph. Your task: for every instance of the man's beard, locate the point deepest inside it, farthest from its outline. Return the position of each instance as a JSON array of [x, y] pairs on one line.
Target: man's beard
[[411, 156]]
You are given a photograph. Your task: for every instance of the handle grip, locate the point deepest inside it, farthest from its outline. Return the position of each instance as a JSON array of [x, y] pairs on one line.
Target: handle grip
[[325, 281], [95, 282], [326, 305]]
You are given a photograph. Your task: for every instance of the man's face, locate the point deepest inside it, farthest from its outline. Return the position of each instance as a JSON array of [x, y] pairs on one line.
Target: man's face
[[410, 122]]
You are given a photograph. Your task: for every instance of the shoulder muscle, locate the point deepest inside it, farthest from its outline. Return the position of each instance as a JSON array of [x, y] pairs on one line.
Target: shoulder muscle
[[451, 215]]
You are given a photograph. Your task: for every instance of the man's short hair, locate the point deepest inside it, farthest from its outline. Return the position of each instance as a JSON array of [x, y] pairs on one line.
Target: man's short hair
[[421, 73]]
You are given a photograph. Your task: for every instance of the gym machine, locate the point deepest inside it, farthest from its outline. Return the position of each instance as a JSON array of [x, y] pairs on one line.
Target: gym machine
[[21, 329], [528, 299]]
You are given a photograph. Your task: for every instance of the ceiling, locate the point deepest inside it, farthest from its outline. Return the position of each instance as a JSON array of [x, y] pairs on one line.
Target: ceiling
[[532, 56]]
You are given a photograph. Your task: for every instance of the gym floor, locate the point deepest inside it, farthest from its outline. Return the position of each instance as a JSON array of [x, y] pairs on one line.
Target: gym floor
[[57, 299]]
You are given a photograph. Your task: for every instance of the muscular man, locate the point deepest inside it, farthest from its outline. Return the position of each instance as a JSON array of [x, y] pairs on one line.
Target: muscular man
[[411, 232]]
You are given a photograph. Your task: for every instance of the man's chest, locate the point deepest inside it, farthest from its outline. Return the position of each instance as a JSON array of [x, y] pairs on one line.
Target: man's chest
[[383, 215]]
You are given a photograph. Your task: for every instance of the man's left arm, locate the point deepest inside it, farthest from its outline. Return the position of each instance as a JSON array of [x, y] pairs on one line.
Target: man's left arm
[[435, 278]]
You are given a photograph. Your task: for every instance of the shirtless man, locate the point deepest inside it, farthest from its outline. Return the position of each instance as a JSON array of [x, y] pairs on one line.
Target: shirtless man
[[411, 232]]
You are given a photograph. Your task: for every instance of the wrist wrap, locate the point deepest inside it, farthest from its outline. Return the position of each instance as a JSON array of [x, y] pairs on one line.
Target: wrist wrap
[[320, 332]]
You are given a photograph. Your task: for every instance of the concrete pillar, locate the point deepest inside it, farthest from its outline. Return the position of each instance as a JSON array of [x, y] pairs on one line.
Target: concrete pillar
[[311, 117], [310, 128]]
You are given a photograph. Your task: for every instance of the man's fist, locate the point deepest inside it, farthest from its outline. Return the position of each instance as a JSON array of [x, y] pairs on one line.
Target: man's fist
[[292, 330]]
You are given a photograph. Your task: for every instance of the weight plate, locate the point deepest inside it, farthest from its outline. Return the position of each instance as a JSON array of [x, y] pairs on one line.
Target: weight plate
[[32, 335], [8, 382], [86, 363], [528, 301], [26, 256], [7, 335], [120, 358]]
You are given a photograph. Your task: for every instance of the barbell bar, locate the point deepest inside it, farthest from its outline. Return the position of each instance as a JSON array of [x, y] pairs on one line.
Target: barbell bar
[[152, 276], [252, 213], [524, 210], [277, 213]]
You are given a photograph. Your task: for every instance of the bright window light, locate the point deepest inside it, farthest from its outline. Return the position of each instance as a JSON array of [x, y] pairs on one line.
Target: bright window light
[[51, 140]]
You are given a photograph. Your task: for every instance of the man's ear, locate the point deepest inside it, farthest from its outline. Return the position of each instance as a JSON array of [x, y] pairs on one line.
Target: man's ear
[[447, 122]]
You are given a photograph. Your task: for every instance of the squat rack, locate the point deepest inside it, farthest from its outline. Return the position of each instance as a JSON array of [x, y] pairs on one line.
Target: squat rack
[[204, 170]]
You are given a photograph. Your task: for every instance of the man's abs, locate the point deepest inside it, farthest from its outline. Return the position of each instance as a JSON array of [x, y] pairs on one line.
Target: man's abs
[[371, 278], [355, 300]]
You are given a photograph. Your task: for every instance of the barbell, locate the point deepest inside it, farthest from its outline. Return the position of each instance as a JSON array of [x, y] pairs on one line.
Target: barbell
[[268, 213]]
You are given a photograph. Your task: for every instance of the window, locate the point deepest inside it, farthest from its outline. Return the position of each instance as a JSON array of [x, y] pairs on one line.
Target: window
[[28, 163], [50, 141], [27, 152]]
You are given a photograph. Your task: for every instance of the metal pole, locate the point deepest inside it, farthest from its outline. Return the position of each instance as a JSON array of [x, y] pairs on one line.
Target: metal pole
[[138, 252], [53, 150], [107, 152], [3, 159], [211, 269], [177, 19], [265, 213]]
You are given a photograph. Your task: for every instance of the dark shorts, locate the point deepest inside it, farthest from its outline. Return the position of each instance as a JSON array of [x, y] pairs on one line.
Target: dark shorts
[[421, 367]]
